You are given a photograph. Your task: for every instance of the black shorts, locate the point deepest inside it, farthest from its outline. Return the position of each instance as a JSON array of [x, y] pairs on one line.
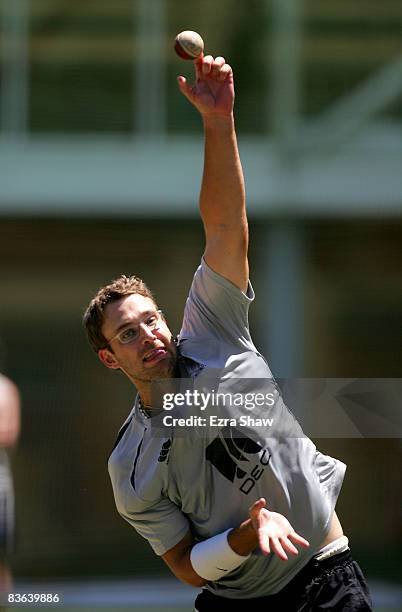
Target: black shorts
[[336, 584]]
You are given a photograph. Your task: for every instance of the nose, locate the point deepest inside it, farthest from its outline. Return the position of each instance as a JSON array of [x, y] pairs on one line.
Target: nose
[[148, 333]]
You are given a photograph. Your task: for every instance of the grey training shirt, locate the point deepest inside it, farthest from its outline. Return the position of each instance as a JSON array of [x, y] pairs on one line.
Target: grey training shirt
[[206, 479]]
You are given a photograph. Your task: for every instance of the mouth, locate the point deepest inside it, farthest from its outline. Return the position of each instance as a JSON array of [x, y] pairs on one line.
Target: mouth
[[152, 357]]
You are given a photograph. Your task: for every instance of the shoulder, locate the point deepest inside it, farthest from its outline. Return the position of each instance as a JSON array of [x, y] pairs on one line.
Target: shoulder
[[207, 281], [216, 310]]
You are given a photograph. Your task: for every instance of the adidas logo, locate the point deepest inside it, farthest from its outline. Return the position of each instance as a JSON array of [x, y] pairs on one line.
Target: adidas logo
[[238, 458]]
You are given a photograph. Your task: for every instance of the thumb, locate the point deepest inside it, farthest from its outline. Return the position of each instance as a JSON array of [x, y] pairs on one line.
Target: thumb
[[198, 66], [256, 508], [185, 88]]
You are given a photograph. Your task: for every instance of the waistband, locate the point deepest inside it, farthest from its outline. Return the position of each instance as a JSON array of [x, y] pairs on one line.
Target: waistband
[[314, 570], [333, 548]]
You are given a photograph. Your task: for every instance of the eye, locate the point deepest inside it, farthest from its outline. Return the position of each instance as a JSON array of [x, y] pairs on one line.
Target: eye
[[128, 334]]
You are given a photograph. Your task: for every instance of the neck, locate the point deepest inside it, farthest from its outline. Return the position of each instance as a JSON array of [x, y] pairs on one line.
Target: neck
[[145, 396], [145, 409], [144, 387]]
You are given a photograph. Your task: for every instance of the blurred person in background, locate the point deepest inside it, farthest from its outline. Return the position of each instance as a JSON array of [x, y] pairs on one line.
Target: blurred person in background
[[9, 432]]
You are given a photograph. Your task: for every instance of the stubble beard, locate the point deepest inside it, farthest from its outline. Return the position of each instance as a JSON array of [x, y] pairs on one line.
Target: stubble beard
[[164, 369]]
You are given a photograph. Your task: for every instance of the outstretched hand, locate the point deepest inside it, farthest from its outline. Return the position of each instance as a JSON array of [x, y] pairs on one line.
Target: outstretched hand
[[275, 533], [213, 91]]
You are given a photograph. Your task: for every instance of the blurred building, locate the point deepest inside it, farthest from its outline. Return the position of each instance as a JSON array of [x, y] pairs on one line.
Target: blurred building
[[101, 161]]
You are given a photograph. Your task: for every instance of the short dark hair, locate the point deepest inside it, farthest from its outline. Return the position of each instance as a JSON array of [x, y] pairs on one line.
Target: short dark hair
[[114, 291]]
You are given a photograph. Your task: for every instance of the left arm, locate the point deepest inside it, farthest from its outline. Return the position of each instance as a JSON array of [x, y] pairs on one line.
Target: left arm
[[222, 198], [271, 531]]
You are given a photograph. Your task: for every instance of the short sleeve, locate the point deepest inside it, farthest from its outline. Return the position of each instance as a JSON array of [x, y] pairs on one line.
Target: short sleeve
[[217, 310], [330, 473], [162, 524]]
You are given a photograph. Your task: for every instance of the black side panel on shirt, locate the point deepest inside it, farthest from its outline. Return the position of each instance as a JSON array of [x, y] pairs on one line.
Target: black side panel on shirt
[[121, 434]]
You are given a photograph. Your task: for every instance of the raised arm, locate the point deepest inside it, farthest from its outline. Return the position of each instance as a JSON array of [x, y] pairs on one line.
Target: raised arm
[[222, 198]]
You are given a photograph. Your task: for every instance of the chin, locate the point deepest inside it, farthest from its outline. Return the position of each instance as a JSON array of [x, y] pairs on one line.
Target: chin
[[164, 369]]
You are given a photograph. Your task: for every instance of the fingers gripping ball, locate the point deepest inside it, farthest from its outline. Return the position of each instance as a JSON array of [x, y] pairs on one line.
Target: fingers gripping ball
[[189, 45]]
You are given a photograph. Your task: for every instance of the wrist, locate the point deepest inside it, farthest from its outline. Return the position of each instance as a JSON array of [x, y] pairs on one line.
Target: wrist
[[213, 558], [218, 122], [243, 540]]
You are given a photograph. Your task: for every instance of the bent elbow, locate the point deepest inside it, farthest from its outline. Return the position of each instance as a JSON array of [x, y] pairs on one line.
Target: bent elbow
[[198, 582], [193, 580]]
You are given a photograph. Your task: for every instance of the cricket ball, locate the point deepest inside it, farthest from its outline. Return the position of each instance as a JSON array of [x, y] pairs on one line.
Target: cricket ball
[[189, 45]]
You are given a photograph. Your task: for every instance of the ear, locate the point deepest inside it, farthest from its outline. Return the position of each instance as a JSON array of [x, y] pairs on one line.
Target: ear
[[108, 359]]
